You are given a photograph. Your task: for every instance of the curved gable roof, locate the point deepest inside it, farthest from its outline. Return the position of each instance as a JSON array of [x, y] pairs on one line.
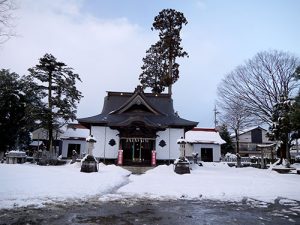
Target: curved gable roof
[[137, 99], [156, 110]]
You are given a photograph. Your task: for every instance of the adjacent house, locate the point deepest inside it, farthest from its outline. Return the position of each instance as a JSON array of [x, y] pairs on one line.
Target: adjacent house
[[40, 139], [137, 123], [206, 142], [249, 139], [74, 138], [70, 137]]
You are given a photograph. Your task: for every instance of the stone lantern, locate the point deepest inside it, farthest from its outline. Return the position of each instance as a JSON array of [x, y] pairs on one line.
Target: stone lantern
[[181, 143], [91, 144], [89, 162], [182, 165]]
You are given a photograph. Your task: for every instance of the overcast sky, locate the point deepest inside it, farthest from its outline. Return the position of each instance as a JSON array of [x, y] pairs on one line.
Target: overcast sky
[[105, 41]]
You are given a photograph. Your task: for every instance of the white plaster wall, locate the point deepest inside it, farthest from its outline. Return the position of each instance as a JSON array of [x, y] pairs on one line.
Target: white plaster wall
[[102, 148], [111, 152], [216, 150], [162, 152], [171, 150], [98, 133], [189, 149], [65, 144], [175, 135]]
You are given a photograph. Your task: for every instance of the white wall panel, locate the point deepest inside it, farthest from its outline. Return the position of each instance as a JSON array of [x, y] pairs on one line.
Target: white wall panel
[[111, 152], [171, 150]]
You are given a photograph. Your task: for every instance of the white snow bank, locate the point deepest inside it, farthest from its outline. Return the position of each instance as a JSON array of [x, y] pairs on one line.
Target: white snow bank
[[26, 184], [229, 155], [213, 181]]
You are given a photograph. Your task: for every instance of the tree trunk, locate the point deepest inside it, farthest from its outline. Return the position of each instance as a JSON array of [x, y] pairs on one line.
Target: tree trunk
[[50, 138], [170, 76], [50, 119], [287, 151], [237, 141]]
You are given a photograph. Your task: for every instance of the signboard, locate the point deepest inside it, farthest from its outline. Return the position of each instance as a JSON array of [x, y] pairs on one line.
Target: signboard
[[120, 157], [153, 158]]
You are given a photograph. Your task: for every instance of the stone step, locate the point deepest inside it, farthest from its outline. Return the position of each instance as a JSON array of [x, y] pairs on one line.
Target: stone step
[[137, 169]]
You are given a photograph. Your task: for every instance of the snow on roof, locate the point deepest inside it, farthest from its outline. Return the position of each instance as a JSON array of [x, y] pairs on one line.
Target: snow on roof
[[75, 131], [204, 135], [266, 145], [36, 143]]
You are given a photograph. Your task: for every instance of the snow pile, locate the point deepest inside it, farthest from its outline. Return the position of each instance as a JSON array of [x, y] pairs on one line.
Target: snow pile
[[229, 155], [28, 184], [16, 153], [25, 184], [213, 181]]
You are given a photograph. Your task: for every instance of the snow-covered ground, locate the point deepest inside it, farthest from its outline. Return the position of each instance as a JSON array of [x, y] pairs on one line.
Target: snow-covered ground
[[29, 184], [214, 181]]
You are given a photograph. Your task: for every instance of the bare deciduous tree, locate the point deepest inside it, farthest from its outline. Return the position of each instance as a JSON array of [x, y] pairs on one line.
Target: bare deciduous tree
[[257, 86], [259, 83], [6, 18], [235, 115]]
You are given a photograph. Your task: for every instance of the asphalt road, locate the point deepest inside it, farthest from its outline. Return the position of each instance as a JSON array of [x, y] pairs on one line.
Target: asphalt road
[[134, 211]]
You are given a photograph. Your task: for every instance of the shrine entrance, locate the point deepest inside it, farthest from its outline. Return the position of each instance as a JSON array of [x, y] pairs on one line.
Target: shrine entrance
[[137, 141], [137, 151]]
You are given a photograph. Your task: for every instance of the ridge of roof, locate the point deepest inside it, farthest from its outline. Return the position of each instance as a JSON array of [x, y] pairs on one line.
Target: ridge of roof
[[137, 97], [204, 129], [247, 130]]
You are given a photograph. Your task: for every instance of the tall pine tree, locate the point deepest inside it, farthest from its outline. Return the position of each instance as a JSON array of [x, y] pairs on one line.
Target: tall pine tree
[[58, 85], [295, 115], [282, 126], [17, 104], [224, 134], [169, 23], [152, 70]]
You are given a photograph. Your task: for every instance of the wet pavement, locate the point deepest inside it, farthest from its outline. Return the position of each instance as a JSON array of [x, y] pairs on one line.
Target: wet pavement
[[134, 211]]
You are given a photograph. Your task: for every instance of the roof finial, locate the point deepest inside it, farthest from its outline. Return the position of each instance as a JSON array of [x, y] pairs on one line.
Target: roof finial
[[139, 88]]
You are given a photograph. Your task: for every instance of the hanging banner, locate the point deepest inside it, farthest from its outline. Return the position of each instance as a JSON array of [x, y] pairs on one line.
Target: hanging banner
[[120, 157], [153, 158]]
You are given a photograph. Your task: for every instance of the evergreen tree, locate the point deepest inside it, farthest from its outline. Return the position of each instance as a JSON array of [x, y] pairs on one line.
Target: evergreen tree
[[16, 107], [224, 134], [169, 23], [295, 116], [152, 70], [282, 126], [57, 85]]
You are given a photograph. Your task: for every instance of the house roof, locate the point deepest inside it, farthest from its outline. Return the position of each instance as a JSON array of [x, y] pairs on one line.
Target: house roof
[[75, 131], [204, 135], [123, 108], [247, 130]]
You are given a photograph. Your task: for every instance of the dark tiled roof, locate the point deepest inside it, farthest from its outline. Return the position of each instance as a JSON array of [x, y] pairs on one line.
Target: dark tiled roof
[[157, 111]]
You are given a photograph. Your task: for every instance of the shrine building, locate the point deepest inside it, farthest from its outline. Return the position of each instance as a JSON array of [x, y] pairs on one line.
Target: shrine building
[[137, 123]]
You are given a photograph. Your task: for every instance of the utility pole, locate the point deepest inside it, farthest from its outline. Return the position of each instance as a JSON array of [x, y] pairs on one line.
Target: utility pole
[[216, 112]]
